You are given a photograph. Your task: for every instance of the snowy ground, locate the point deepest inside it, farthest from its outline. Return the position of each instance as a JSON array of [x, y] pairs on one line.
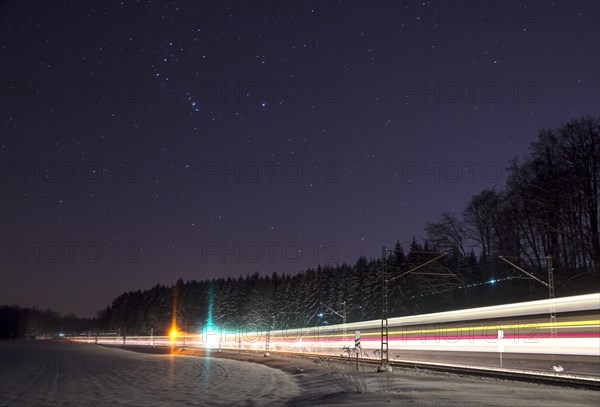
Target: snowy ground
[[85, 374], [69, 374]]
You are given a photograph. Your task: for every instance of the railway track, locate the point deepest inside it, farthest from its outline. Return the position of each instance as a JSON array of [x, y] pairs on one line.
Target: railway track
[[568, 380], [549, 378], [530, 376], [510, 341]]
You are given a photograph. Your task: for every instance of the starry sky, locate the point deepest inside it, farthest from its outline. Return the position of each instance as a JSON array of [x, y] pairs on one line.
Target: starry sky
[[146, 141]]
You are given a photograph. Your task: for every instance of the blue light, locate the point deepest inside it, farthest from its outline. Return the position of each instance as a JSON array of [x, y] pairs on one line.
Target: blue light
[[492, 281]]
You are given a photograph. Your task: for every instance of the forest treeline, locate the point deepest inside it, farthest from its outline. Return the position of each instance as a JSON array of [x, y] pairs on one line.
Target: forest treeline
[[546, 215], [17, 322]]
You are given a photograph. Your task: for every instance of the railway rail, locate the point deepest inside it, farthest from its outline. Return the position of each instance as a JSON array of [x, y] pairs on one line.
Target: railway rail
[[516, 341]]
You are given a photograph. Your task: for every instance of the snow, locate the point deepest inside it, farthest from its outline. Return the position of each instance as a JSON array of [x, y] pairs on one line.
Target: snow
[[68, 374], [63, 374], [322, 383]]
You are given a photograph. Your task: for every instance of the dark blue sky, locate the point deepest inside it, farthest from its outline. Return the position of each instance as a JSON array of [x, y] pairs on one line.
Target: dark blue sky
[[149, 141]]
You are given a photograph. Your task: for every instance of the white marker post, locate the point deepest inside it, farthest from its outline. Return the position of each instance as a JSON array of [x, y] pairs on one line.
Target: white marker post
[[500, 345], [357, 347]]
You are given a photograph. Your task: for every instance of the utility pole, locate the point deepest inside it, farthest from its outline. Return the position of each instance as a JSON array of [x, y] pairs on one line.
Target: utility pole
[[267, 353], [550, 284], [269, 333], [555, 366], [385, 363], [344, 322], [219, 350]]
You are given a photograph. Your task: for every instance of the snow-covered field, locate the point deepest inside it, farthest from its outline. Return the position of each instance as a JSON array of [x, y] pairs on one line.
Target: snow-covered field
[[70, 374], [47, 374]]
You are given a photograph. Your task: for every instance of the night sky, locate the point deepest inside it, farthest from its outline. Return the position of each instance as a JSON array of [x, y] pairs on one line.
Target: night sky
[[143, 142]]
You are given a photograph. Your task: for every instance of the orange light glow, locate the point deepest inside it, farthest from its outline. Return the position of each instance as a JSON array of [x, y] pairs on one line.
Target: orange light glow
[[173, 333]]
